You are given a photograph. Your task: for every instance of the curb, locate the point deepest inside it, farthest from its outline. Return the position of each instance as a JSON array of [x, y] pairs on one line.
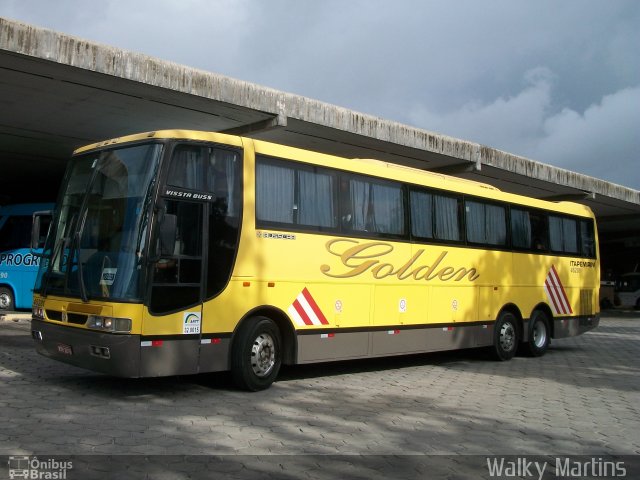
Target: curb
[[15, 317]]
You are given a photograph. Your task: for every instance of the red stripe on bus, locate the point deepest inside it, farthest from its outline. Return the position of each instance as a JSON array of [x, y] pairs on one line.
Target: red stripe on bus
[[302, 313], [564, 294], [552, 295], [557, 292], [314, 307]]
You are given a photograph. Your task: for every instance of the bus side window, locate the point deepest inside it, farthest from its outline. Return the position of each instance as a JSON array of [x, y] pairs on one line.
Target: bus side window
[[587, 238], [521, 228], [539, 231]]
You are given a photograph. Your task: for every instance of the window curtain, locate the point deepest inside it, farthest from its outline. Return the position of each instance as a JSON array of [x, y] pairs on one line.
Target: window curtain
[[223, 181], [421, 214], [274, 193], [475, 222], [187, 169], [388, 211], [555, 233], [569, 235], [446, 211], [360, 204], [496, 225], [315, 206], [520, 228]]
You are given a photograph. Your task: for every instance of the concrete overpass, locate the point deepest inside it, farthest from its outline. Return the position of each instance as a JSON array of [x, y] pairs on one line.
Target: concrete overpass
[[59, 92]]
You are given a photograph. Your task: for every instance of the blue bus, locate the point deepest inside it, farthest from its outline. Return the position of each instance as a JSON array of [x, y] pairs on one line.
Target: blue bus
[[18, 265]]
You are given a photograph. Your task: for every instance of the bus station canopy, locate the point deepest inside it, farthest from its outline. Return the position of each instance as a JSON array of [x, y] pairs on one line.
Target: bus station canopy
[[60, 92]]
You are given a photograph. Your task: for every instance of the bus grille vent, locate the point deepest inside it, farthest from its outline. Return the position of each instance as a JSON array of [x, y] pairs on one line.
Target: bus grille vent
[[54, 315], [586, 302], [76, 318]]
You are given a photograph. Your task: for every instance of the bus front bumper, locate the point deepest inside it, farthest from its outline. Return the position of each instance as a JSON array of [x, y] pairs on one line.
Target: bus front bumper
[[113, 354]]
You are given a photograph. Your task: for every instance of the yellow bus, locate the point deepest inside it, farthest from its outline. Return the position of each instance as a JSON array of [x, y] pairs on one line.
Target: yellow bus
[[179, 252]]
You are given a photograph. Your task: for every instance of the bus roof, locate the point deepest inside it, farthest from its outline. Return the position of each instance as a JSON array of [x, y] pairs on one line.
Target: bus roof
[[366, 166]]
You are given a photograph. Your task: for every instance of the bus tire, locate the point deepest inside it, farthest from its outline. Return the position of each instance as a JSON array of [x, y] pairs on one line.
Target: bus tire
[[7, 300], [539, 335], [505, 336], [257, 354]]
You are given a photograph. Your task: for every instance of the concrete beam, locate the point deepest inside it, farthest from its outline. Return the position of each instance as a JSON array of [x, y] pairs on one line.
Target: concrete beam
[[279, 121], [47, 45]]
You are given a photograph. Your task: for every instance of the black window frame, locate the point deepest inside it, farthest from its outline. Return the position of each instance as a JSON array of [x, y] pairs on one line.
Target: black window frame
[[538, 216], [507, 223], [297, 167]]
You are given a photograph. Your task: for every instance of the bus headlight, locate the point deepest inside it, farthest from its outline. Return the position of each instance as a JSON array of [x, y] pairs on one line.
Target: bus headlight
[[109, 324]]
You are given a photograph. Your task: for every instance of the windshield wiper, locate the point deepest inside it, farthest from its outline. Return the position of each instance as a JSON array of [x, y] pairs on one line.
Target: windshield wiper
[[83, 288], [46, 275]]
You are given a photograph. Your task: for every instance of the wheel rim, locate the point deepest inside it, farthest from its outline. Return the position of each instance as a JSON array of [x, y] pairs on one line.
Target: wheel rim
[[507, 336], [5, 301], [539, 334], [263, 355]]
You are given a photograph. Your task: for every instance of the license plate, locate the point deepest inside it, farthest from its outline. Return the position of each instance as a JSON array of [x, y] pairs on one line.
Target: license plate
[[65, 349]]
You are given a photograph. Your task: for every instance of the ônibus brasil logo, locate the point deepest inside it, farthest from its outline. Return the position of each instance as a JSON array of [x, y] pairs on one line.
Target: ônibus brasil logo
[[32, 467]]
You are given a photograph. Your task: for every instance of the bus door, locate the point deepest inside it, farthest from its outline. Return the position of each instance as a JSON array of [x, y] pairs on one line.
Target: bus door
[[197, 233]]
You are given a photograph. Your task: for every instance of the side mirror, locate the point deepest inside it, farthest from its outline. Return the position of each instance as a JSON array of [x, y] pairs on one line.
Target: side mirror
[[168, 230], [39, 220]]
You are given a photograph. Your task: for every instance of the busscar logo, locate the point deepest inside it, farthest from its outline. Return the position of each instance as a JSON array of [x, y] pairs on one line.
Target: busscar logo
[[33, 468]]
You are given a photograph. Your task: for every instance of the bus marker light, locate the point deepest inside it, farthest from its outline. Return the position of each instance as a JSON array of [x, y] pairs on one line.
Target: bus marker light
[[271, 284], [393, 332], [447, 329], [246, 284], [156, 343], [327, 335], [216, 340]]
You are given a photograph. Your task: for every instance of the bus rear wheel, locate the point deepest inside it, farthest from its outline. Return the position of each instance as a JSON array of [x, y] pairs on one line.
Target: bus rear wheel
[[505, 336], [7, 301], [539, 335], [257, 354]]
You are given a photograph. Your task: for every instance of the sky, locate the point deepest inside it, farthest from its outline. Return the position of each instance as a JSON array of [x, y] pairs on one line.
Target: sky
[[557, 81]]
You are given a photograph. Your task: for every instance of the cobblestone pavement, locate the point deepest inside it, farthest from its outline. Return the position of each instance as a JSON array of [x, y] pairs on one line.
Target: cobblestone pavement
[[581, 398]]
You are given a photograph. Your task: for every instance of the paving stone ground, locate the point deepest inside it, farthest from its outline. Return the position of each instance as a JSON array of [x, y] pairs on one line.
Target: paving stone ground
[[581, 398]]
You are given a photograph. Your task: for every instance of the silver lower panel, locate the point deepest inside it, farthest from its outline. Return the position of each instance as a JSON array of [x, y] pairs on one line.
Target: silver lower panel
[[346, 345]]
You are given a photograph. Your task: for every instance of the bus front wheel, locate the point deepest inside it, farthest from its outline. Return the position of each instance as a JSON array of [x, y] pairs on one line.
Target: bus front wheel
[[7, 301], [505, 336], [257, 354]]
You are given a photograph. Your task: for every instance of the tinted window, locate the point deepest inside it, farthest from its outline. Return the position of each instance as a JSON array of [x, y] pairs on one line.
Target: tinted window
[[421, 214], [520, 228], [587, 238], [295, 195], [486, 223], [447, 218], [563, 234], [539, 231], [187, 169], [373, 207]]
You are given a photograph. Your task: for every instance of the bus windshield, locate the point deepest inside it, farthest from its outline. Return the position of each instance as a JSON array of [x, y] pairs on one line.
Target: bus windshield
[[96, 244]]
